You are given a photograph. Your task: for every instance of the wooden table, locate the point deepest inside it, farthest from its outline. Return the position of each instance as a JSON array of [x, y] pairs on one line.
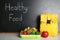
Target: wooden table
[[14, 36]]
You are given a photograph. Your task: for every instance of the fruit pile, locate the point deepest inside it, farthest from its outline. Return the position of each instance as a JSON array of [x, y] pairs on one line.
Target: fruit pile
[[30, 31]]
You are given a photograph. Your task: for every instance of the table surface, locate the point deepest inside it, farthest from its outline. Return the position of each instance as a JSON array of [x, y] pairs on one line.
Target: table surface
[[14, 36]]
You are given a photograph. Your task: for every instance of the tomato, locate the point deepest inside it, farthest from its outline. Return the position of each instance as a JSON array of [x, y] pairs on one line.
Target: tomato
[[28, 33], [24, 33]]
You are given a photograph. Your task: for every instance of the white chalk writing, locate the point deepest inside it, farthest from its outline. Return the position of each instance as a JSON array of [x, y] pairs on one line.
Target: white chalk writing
[[19, 7]]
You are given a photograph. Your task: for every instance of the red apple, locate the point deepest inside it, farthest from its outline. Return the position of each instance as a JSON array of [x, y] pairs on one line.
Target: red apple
[[44, 34], [24, 33]]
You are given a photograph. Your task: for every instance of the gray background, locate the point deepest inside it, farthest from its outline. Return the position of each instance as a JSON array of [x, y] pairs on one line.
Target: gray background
[[52, 6], [42, 6]]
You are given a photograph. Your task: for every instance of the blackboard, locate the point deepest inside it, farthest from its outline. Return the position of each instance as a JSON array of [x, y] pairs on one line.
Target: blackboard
[[15, 15]]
